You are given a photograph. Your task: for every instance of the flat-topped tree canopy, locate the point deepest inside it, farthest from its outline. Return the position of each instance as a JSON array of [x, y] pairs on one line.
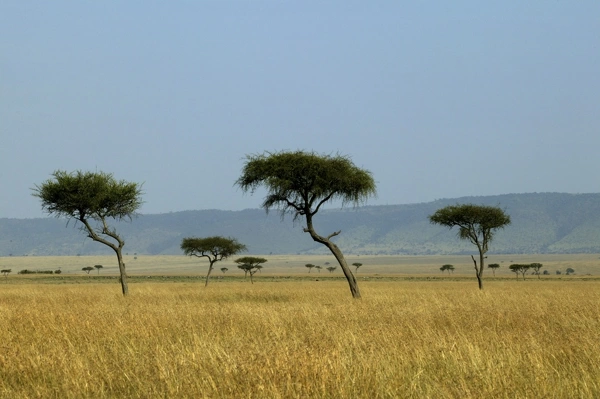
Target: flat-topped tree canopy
[[300, 182], [476, 223], [214, 248], [97, 196]]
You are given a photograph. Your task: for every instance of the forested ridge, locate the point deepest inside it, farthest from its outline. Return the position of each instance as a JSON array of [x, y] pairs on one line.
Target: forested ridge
[[541, 223]]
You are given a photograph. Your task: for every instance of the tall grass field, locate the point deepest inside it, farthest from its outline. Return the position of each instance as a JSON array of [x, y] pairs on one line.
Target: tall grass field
[[300, 339], [417, 332]]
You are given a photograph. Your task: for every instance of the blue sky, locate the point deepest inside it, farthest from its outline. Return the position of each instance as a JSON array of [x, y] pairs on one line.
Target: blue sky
[[437, 99]]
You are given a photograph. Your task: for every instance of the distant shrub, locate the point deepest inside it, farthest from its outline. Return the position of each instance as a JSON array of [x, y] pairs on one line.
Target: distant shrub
[[27, 271]]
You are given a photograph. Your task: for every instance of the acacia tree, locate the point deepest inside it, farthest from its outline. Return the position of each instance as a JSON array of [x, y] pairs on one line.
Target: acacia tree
[[250, 265], [87, 269], [448, 268], [536, 268], [331, 269], [215, 248], [493, 266], [318, 268], [300, 183], [516, 268], [520, 268], [309, 266], [92, 198], [477, 223], [356, 265], [98, 267], [224, 269]]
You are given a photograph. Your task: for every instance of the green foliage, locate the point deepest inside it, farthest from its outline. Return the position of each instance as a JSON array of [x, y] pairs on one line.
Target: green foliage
[[331, 269], [309, 266], [357, 265], [300, 182], [448, 268], [84, 195], [215, 247], [477, 223], [536, 268], [87, 269], [250, 265], [224, 269], [494, 266], [570, 271], [520, 268]]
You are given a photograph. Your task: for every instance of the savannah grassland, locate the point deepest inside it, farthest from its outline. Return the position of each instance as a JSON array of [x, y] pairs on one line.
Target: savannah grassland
[[415, 333]]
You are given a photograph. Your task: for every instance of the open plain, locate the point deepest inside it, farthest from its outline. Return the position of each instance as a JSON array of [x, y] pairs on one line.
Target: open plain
[[417, 333]]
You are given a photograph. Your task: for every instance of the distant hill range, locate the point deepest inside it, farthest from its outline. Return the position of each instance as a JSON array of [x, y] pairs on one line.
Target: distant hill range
[[541, 223]]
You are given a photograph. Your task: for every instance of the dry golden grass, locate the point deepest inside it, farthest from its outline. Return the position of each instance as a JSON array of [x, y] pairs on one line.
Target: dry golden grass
[[533, 339]]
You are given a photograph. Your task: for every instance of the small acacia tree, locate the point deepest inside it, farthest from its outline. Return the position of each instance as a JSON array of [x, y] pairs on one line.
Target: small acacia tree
[[224, 269], [536, 268], [87, 269], [318, 268], [520, 268], [448, 268], [331, 268], [92, 198], [493, 266], [250, 265], [476, 223], [356, 265], [98, 267], [214, 249], [309, 266], [300, 183]]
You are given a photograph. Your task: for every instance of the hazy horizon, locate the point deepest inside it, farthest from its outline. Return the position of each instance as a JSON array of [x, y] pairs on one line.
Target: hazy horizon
[[437, 100]]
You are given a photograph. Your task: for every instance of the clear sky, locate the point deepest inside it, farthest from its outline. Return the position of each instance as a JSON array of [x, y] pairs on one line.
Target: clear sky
[[438, 99]]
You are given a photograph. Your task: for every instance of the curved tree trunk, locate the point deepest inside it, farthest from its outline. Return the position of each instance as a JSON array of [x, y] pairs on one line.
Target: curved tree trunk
[[335, 250], [117, 248]]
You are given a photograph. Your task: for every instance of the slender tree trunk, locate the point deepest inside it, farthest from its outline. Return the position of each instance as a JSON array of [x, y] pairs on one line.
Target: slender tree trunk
[[123, 273], [336, 252], [208, 274], [479, 270]]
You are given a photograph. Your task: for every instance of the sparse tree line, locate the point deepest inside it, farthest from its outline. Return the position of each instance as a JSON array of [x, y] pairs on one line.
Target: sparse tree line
[[297, 183]]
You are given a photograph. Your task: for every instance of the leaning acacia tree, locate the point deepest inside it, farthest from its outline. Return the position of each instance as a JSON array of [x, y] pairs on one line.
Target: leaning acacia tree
[[476, 223], [214, 249], [300, 183], [92, 198]]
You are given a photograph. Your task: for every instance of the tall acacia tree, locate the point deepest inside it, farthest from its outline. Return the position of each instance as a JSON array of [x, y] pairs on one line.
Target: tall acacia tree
[[300, 183], [92, 198], [214, 249], [476, 223]]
